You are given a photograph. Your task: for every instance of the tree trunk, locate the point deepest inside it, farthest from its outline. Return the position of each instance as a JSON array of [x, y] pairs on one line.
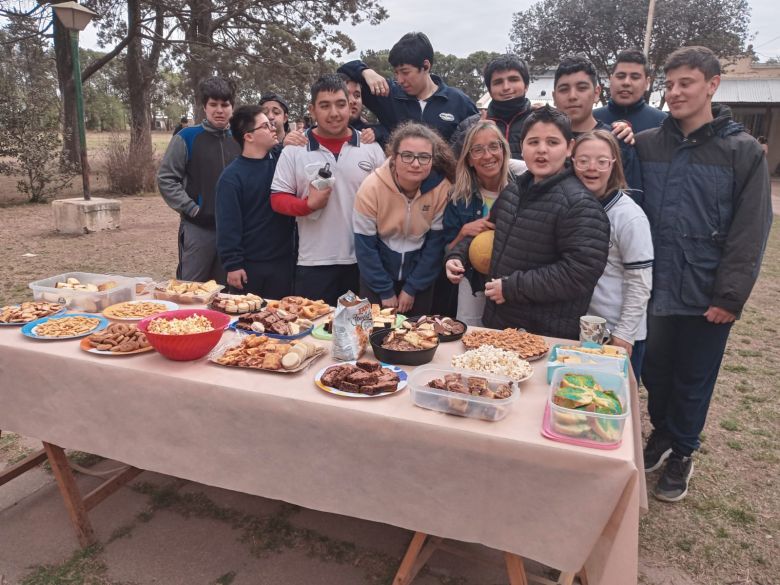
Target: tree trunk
[[64, 59], [140, 136], [199, 33]]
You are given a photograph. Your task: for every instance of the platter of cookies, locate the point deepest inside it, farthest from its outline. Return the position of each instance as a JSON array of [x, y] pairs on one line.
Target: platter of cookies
[[260, 352], [301, 307], [68, 326], [236, 304], [528, 346], [276, 323], [361, 379], [186, 292], [28, 311], [115, 340], [137, 310]]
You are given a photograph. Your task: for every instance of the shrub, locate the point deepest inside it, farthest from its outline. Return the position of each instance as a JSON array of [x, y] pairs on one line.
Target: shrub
[[130, 169]]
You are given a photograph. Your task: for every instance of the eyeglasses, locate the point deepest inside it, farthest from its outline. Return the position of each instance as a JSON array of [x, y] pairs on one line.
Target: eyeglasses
[[583, 163], [479, 151], [267, 125], [409, 157]]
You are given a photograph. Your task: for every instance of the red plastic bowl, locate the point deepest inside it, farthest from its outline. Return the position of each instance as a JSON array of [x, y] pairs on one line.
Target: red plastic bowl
[[187, 347]]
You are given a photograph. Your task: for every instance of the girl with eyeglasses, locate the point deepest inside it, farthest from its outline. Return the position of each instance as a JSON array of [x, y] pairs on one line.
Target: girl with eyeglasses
[[483, 170], [398, 220], [623, 291]]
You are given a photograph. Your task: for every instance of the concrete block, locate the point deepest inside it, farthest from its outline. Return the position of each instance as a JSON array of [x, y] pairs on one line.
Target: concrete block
[[77, 216]]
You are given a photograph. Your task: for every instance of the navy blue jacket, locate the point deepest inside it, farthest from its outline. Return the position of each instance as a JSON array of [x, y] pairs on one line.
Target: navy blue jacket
[[445, 109], [380, 132], [248, 230], [631, 167], [707, 196], [640, 115], [456, 215]]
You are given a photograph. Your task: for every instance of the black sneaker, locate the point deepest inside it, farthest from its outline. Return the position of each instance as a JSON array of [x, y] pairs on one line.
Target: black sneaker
[[656, 451], [673, 485]]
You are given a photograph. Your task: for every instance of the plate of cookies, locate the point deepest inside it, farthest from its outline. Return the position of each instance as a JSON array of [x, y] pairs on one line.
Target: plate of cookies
[[23, 313], [117, 339], [528, 346], [137, 310], [236, 304], [302, 307], [67, 326], [260, 352], [361, 379]]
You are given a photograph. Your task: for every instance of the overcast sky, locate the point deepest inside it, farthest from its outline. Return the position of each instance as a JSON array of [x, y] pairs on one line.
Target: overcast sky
[[460, 28]]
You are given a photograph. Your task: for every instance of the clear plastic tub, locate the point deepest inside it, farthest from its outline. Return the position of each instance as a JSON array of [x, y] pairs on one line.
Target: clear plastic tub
[[609, 363], [478, 407], [589, 427], [82, 300]]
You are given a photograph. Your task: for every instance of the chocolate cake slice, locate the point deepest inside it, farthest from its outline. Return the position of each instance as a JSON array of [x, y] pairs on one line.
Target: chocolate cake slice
[[368, 365]]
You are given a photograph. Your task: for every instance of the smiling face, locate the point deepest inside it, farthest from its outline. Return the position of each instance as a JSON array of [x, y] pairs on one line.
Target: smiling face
[[411, 174], [628, 83], [486, 156], [506, 85], [276, 115], [218, 112], [593, 163], [413, 80], [331, 112], [575, 95], [689, 94], [545, 150]]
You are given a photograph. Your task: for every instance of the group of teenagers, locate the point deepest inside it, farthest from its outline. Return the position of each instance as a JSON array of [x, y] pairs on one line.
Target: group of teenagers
[[656, 223]]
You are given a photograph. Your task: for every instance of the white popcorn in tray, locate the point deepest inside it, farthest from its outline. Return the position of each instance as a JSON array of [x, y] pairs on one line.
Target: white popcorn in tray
[[487, 358]]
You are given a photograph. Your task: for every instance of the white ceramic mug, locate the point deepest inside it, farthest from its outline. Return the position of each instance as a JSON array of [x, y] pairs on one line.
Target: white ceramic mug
[[594, 329]]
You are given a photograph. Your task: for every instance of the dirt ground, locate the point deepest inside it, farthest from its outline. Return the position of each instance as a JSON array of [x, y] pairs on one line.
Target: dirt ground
[[167, 531]]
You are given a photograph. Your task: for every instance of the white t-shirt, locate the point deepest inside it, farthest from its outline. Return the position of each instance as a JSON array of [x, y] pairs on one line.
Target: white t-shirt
[[326, 238]]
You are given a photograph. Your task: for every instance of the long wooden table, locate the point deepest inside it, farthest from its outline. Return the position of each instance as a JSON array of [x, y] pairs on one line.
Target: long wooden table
[[500, 484]]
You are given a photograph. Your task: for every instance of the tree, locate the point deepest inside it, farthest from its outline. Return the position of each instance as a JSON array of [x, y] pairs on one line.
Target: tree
[[551, 29]]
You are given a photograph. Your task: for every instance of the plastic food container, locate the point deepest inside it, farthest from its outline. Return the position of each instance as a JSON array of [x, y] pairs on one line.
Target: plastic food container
[[162, 293], [478, 407], [588, 428], [603, 362], [190, 346], [82, 300]]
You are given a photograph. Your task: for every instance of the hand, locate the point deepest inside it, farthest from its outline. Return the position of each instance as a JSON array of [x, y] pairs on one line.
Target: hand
[[367, 136], [405, 302], [455, 270], [494, 290], [476, 227], [295, 138], [629, 347], [391, 303], [623, 131], [237, 278], [719, 316], [318, 198], [376, 83]]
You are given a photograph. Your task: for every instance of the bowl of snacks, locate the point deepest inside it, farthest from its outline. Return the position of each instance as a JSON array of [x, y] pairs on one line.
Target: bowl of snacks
[[404, 347], [185, 334], [447, 328]]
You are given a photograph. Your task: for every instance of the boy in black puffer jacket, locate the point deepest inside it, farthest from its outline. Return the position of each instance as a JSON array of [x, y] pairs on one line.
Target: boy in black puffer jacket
[[551, 240]]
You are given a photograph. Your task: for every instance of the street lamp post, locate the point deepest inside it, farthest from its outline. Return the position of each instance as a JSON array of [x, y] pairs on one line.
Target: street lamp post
[[75, 18]]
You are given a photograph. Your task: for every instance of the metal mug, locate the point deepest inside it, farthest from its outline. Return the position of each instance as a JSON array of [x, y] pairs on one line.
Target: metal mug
[[594, 329]]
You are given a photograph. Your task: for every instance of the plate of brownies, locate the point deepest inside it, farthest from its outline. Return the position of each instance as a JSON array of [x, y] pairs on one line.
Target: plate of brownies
[[361, 379]]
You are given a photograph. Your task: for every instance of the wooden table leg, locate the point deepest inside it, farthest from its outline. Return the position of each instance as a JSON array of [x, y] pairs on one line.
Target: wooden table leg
[[404, 574], [582, 576], [566, 578], [70, 494], [515, 569], [22, 466]]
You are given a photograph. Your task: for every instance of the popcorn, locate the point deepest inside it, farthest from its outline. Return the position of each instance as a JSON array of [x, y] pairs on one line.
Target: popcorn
[[192, 324], [487, 358]]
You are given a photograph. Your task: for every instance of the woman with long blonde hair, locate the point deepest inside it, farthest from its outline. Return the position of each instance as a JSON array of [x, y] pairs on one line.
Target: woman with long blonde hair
[[481, 173]]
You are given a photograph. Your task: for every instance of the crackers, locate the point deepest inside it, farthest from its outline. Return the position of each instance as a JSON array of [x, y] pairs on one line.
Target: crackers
[[67, 326]]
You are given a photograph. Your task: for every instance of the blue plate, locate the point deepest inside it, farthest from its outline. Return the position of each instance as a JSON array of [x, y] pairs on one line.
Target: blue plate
[[272, 335], [29, 329], [60, 312]]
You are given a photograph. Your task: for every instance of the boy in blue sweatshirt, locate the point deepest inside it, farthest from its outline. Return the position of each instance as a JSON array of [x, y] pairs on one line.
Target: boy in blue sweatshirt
[[254, 243]]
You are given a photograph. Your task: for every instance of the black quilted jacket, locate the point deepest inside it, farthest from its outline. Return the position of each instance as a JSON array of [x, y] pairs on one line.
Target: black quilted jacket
[[550, 249]]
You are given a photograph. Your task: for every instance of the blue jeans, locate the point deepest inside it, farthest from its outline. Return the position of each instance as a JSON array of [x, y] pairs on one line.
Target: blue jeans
[[680, 370], [638, 358]]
